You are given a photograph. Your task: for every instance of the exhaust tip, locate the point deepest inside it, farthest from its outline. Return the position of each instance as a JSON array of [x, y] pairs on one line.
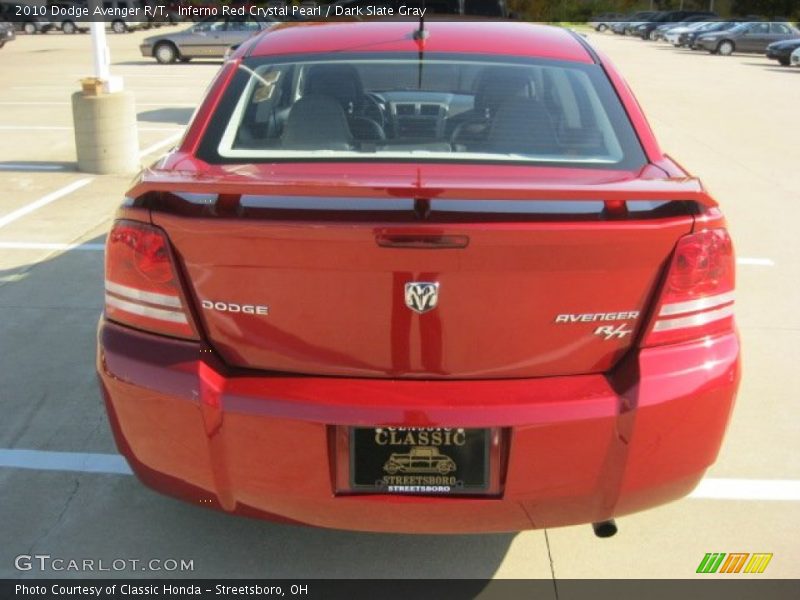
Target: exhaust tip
[[605, 529]]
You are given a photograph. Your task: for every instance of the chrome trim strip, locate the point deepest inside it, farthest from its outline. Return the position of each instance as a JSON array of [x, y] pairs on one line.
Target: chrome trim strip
[[146, 311], [541, 207], [325, 203], [695, 305], [694, 320], [142, 296]]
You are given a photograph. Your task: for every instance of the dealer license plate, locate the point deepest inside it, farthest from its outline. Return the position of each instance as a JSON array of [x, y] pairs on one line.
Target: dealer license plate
[[401, 460]]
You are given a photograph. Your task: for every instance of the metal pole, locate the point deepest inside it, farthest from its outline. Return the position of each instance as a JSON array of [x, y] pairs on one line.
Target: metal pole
[[100, 54]]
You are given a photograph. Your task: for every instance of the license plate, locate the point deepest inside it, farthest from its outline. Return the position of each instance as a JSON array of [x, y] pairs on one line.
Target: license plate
[[397, 460]]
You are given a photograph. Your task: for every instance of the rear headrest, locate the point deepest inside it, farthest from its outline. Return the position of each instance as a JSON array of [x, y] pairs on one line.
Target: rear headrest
[[317, 123], [496, 85], [523, 126], [339, 81]]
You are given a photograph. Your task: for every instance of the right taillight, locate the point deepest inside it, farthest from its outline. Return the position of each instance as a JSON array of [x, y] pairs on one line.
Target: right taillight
[[142, 285], [697, 294]]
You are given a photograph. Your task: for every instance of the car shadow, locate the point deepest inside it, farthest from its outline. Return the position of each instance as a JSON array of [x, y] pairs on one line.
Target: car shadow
[[771, 65], [180, 116], [152, 61], [51, 401], [131, 63]]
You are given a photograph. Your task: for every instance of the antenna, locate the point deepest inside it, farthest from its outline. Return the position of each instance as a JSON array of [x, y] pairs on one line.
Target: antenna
[[421, 33]]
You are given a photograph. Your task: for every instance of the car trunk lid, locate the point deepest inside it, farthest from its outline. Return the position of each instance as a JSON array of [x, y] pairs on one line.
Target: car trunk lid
[[535, 273]]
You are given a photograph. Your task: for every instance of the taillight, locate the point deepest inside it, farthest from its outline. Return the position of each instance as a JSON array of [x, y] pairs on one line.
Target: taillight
[[142, 285], [697, 295]]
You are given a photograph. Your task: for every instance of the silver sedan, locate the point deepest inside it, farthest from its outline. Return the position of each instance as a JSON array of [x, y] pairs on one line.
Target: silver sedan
[[205, 39]]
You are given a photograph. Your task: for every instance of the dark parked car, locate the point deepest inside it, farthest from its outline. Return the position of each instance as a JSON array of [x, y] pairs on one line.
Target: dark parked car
[[660, 32], [689, 38], [9, 11], [746, 37], [6, 33], [622, 26], [647, 30], [782, 51]]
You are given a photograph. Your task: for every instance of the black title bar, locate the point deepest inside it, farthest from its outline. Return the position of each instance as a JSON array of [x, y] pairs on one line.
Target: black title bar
[[727, 588]]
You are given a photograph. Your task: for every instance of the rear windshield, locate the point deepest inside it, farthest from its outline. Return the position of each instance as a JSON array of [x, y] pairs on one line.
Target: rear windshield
[[435, 108]]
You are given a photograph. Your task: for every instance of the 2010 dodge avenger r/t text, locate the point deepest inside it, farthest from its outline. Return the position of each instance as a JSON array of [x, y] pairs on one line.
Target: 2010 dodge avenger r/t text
[[438, 281]]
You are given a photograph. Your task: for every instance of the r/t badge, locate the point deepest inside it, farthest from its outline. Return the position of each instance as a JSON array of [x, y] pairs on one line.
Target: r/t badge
[[610, 331]]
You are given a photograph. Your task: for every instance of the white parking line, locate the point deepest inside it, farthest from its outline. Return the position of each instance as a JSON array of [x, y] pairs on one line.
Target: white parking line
[[165, 104], [159, 145], [43, 201], [35, 128], [36, 167], [81, 462], [69, 88], [748, 489], [35, 103], [757, 262], [85, 462], [48, 246], [69, 128]]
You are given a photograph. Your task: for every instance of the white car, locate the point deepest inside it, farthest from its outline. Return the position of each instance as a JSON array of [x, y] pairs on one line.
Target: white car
[[673, 35], [603, 22], [794, 59]]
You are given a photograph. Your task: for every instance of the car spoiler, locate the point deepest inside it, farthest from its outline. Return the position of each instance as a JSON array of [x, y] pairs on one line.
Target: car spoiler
[[431, 182]]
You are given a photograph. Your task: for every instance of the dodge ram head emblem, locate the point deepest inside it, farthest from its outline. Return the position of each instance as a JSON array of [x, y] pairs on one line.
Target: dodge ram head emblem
[[422, 296]]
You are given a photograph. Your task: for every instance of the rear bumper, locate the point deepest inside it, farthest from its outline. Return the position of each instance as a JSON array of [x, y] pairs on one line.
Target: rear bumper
[[578, 449]]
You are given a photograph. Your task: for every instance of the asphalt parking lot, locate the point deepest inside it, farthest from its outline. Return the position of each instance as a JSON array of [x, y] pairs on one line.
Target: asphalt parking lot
[[731, 120]]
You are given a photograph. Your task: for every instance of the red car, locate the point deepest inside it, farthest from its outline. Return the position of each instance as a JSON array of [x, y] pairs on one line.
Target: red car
[[463, 240]]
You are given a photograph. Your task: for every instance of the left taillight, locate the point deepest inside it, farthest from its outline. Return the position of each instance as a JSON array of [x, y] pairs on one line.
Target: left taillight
[[143, 289]]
